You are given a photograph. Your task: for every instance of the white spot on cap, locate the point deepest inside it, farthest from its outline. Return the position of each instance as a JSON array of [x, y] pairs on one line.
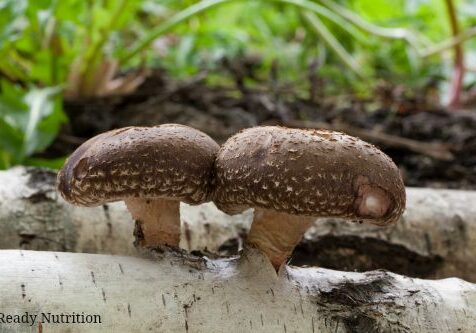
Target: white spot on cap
[[373, 205], [374, 201]]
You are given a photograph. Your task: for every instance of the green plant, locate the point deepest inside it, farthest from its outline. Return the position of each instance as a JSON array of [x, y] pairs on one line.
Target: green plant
[[86, 43], [29, 121], [347, 32], [46, 44]]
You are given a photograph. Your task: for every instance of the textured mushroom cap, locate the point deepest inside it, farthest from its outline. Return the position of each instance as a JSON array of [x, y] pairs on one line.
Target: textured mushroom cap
[[308, 172], [166, 161]]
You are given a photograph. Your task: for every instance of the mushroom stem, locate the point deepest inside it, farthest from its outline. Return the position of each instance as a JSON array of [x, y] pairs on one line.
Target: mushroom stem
[[277, 234], [157, 221]]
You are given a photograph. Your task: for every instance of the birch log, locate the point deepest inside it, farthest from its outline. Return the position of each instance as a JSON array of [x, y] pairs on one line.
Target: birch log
[[435, 238], [33, 216], [176, 293]]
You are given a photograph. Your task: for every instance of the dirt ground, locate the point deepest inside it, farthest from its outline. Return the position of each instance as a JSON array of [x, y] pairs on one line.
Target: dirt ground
[[433, 147]]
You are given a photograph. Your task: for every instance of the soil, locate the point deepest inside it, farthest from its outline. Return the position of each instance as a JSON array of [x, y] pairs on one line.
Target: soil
[[442, 151]]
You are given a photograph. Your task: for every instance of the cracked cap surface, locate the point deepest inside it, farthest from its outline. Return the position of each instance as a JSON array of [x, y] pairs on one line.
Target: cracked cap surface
[[165, 161], [308, 172]]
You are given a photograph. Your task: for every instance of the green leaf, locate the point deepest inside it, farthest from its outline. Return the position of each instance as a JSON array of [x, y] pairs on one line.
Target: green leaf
[[12, 20], [29, 120], [5, 159], [11, 139], [42, 122]]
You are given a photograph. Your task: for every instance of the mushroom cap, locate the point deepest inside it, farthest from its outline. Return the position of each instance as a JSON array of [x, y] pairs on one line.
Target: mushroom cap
[[308, 172], [166, 161]]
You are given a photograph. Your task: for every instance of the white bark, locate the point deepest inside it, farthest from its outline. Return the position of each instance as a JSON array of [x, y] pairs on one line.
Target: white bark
[[173, 293], [436, 237], [33, 216]]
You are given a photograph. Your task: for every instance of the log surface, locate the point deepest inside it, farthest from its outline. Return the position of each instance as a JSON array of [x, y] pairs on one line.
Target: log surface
[[177, 293]]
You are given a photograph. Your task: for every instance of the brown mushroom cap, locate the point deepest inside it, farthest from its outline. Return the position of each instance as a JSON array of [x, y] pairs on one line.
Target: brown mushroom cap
[[308, 172], [166, 161]]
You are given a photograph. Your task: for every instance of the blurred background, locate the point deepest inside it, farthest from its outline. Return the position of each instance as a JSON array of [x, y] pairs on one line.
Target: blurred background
[[400, 74]]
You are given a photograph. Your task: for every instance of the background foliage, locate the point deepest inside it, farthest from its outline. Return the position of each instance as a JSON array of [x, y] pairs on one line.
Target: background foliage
[[52, 49]]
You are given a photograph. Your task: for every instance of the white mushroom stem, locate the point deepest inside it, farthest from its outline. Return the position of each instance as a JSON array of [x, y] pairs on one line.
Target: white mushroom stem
[[157, 221], [277, 234], [185, 294]]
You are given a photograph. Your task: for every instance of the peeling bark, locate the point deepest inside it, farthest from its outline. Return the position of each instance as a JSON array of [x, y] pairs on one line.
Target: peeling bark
[[180, 293], [435, 238]]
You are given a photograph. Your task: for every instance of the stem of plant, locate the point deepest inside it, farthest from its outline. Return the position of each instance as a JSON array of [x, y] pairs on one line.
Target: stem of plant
[[449, 43], [93, 60], [390, 33], [458, 70], [332, 42]]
